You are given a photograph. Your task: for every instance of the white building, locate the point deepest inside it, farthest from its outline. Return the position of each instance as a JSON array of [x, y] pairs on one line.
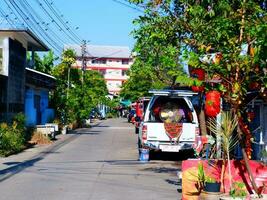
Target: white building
[[112, 61]]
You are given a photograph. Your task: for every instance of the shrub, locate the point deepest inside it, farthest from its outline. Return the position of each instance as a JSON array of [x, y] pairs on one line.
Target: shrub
[[13, 136], [111, 115], [11, 139], [40, 138], [238, 190]]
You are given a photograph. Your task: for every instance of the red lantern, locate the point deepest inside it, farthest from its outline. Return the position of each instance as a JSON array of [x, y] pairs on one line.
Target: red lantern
[[213, 103], [200, 75], [251, 116]]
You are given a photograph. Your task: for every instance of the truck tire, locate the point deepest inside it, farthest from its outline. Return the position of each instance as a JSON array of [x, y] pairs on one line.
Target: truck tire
[[136, 130], [139, 144]]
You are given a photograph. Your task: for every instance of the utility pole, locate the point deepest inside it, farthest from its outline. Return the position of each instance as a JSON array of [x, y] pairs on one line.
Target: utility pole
[[83, 47]]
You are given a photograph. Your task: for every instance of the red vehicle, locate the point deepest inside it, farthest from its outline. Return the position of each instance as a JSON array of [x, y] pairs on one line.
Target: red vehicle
[[140, 107]]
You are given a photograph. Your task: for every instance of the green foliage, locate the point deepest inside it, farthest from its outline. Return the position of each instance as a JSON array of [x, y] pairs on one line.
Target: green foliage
[[44, 64], [202, 177], [111, 115], [76, 102], [193, 30], [209, 179], [238, 190], [158, 49], [201, 174], [12, 137]]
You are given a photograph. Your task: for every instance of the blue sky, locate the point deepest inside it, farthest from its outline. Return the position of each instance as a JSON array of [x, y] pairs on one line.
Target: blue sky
[[102, 22]]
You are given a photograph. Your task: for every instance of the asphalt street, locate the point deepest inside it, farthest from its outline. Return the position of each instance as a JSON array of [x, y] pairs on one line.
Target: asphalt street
[[100, 163]]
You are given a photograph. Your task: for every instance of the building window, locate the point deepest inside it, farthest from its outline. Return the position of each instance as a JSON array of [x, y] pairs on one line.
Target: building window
[[102, 71], [125, 62], [124, 72], [99, 61]]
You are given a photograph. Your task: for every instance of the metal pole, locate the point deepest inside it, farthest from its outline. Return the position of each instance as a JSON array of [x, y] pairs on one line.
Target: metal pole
[[68, 82], [83, 46]]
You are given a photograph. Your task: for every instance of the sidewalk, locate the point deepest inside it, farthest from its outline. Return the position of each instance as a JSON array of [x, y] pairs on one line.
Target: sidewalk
[[15, 163]]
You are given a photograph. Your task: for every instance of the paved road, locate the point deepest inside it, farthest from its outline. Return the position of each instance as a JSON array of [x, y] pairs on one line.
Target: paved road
[[98, 164]]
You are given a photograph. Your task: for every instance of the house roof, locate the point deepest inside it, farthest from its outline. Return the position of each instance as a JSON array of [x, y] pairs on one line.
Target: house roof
[[34, 43], [96, 51], [40, 79]]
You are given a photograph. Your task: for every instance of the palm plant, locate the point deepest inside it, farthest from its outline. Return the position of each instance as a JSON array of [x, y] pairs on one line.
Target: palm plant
[[225, 129]]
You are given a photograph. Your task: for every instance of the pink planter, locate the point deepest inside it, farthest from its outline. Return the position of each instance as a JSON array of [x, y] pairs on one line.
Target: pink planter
[[238, 172]]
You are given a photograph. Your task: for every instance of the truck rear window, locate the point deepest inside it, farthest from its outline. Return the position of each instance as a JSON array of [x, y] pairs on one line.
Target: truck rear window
[[177, 107]]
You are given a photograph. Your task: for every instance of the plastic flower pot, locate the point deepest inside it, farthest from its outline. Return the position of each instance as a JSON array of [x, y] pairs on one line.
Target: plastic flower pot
[[212, 187]]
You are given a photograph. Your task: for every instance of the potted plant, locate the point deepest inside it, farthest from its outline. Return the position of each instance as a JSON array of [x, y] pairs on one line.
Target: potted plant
[[211, 185], [208, 187], [224, 130], [237, 192]]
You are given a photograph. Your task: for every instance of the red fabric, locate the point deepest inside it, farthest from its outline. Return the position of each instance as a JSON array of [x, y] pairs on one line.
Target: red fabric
[[138, 110]]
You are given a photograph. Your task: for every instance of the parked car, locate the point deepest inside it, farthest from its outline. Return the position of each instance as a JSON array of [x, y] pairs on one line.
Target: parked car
[[140, 107], [152, 131]]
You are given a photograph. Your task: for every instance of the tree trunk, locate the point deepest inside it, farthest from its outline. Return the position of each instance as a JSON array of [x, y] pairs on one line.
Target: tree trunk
[[202, 122], [245, 157], [201, 116]]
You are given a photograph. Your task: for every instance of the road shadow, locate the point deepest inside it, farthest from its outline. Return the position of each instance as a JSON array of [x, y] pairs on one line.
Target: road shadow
[[160, 170], [20, 166], [125, 162], [102, 126], [90, 132], [170, 156]]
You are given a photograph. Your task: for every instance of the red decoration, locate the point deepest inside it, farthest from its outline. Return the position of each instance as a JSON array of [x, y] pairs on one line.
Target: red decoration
[[173, 130], [200, 75], [251, 116], [138, 109], [213, 103], [254, 86], [245, 129]]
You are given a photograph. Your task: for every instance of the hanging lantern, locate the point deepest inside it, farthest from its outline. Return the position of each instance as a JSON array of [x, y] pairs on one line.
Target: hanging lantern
[[250, 115], [213, 103], [200, 75]]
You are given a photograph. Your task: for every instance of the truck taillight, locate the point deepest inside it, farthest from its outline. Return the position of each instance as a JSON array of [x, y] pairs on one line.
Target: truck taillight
[[144, 132]]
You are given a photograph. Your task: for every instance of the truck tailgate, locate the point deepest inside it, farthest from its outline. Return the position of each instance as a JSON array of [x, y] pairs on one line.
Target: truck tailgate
[[156, 132]]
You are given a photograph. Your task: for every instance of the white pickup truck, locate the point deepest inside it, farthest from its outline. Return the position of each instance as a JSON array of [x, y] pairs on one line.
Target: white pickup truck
[[152, 134]]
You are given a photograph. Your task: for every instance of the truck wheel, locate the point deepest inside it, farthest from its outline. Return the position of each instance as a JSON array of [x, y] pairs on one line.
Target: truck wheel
[[136, 130], [139, 144]]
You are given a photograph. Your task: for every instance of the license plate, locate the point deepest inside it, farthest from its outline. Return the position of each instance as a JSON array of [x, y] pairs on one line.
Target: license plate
[[169, 148]]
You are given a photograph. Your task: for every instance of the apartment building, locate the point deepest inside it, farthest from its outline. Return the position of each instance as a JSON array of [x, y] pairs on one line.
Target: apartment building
[[112, 61]]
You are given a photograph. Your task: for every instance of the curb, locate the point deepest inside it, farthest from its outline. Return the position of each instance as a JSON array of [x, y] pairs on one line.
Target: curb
[[10, 171]]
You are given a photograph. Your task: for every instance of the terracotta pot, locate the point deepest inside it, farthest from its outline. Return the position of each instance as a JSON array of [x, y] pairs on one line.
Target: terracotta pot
[[210, 195]]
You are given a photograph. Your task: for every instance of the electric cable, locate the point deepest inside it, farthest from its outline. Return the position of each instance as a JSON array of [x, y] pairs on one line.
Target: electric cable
[[32, 26]]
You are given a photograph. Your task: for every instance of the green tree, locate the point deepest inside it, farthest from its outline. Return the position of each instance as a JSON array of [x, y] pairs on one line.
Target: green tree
[[158, 62], [235, 30], [44, 64], [73, 98]]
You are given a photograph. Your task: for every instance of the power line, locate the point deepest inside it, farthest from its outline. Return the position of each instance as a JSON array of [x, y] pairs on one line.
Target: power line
[[41, 22], [24, 11], [59, 17], [31, 25], [129, 6]]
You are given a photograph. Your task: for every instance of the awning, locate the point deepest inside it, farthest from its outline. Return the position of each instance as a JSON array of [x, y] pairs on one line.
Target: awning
[[126, 103]]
